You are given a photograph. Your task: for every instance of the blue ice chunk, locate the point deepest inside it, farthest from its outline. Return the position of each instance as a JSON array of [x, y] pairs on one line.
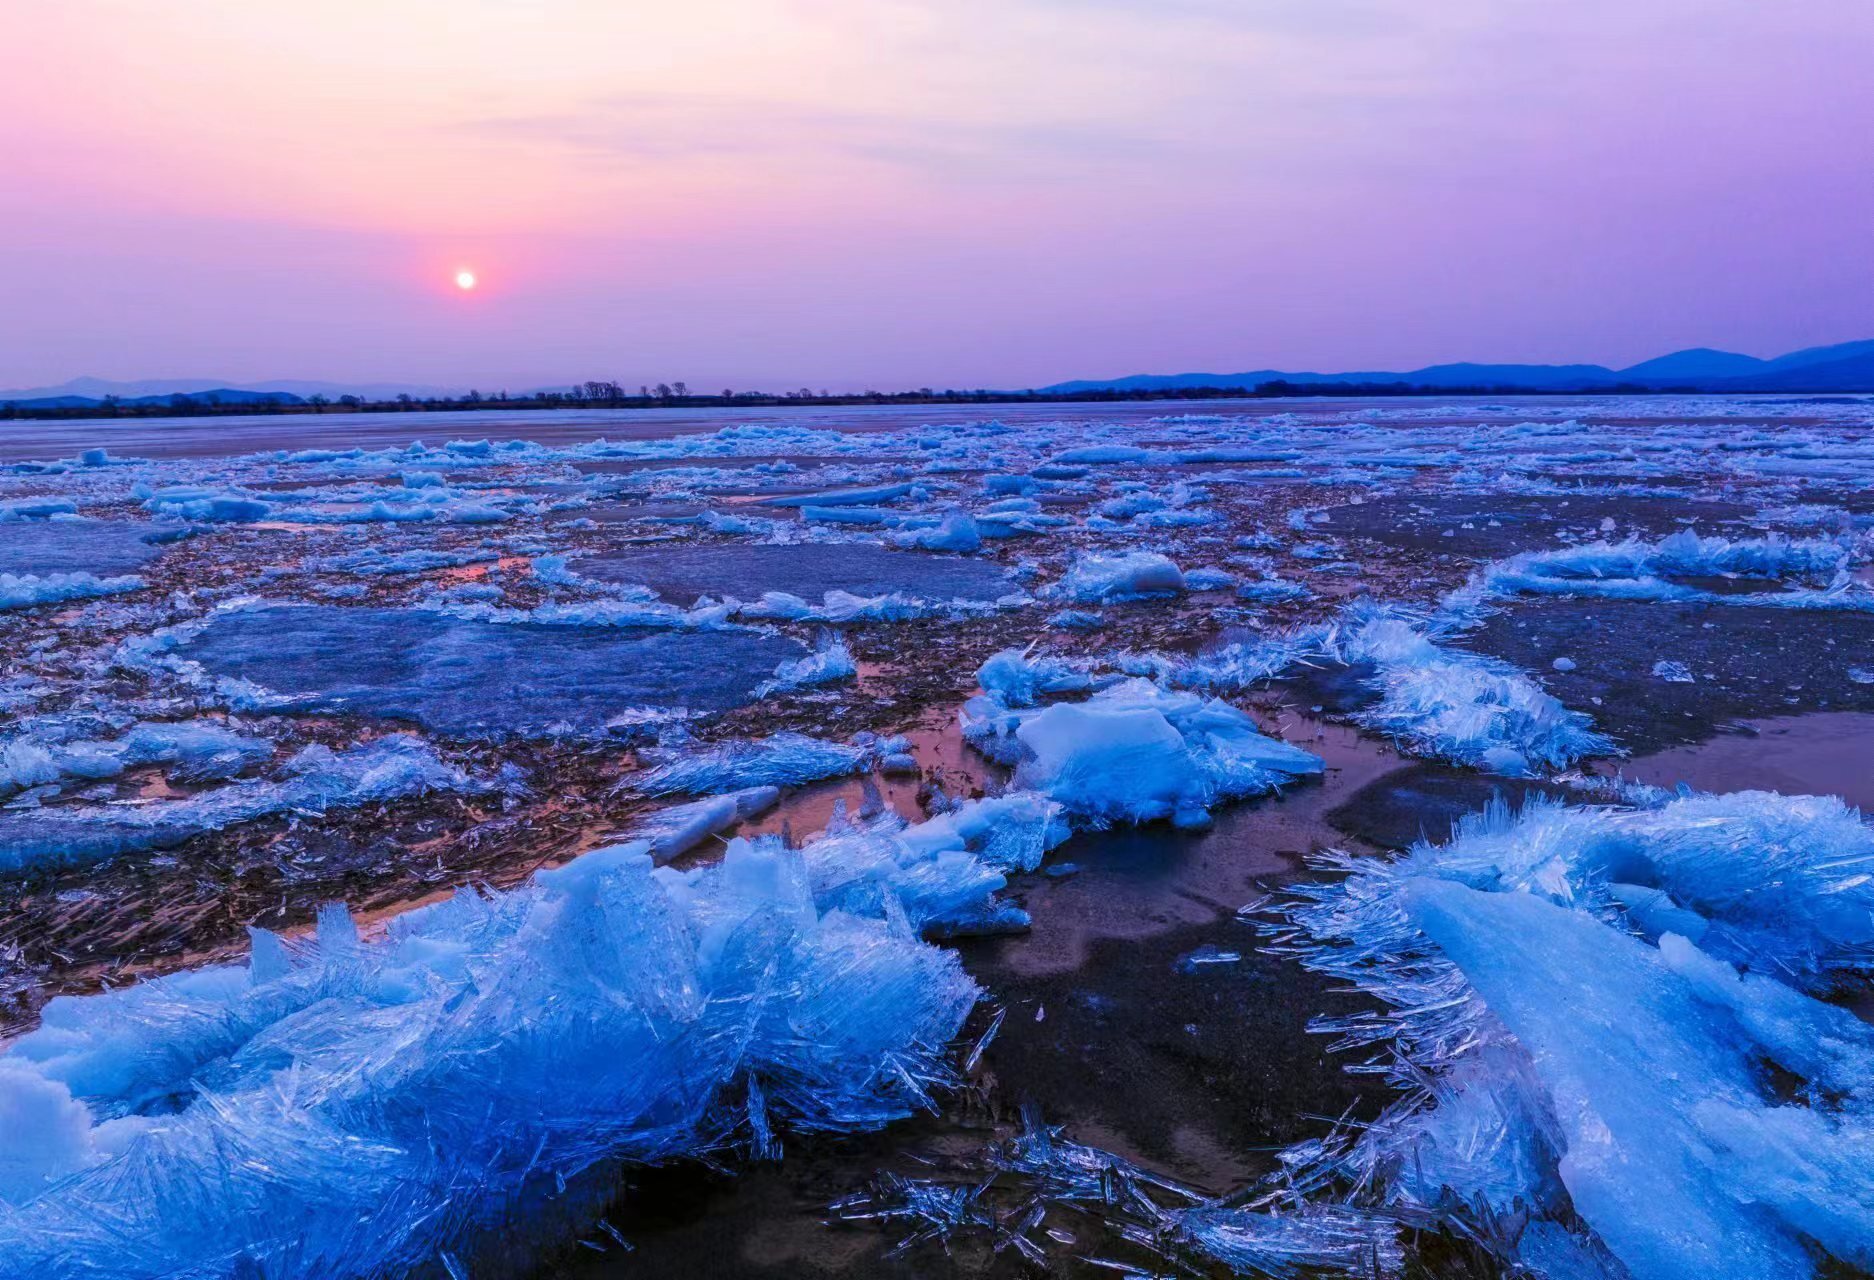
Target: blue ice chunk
[[1017, 679], [1135, 752], [351, 1107], [372, 561], [21, 509], [676, 829], [873, 496], [208, 505], [830, 661], [786, 760], [1434, 700], [1132, 575], [1562, 1009], [1635, 570]]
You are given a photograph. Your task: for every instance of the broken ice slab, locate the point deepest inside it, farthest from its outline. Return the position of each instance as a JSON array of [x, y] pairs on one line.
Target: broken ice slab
[[1132, 575], [27, 591], [471, 678], [681, 827], [1577, 1048], [1134, 752], [103, 547], [317, 779], [473, 1079], [684, 575]]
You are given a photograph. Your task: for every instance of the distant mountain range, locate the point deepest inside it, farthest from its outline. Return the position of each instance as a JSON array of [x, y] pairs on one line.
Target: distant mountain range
[[85, 393], [1847, 366]]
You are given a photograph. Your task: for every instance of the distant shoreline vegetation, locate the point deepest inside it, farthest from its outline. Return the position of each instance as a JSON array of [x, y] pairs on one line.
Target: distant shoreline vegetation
[[611, 395]]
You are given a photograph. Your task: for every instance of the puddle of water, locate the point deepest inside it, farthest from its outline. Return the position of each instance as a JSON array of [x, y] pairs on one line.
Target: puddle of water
[[1828, 753], [1136, 882]]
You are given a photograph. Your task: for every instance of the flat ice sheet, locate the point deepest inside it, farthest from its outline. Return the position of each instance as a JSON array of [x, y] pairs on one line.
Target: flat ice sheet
[[101, 547], [456, 676], [682, 575]]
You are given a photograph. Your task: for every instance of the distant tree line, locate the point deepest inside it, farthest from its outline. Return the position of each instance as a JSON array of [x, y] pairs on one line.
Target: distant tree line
[[603, 394]]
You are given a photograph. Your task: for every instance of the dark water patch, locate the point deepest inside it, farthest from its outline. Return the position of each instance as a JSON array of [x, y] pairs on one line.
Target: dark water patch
[[101, 547], [685, 574], [1719, 584], [472, 678], [1338, 688], [1746, 662], [1489, 526], [1425, 801], [1199, 1073], [771, 1222], [1828, 753], [1198, 1069]]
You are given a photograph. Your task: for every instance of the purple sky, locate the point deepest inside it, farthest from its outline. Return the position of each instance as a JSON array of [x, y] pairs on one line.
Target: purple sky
[[898, 192]]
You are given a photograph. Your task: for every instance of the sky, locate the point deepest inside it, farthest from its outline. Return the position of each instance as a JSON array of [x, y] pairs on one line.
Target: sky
[[897, 193]]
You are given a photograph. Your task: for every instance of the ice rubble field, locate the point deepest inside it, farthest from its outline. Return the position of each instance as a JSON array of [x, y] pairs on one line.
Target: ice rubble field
[[1616, 1026]]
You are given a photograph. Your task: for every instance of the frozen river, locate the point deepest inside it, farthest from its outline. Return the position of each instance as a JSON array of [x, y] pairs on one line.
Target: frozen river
[[1408, 836]]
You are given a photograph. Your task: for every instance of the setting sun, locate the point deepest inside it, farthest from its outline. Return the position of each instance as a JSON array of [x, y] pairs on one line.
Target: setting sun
[[465, 279]]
